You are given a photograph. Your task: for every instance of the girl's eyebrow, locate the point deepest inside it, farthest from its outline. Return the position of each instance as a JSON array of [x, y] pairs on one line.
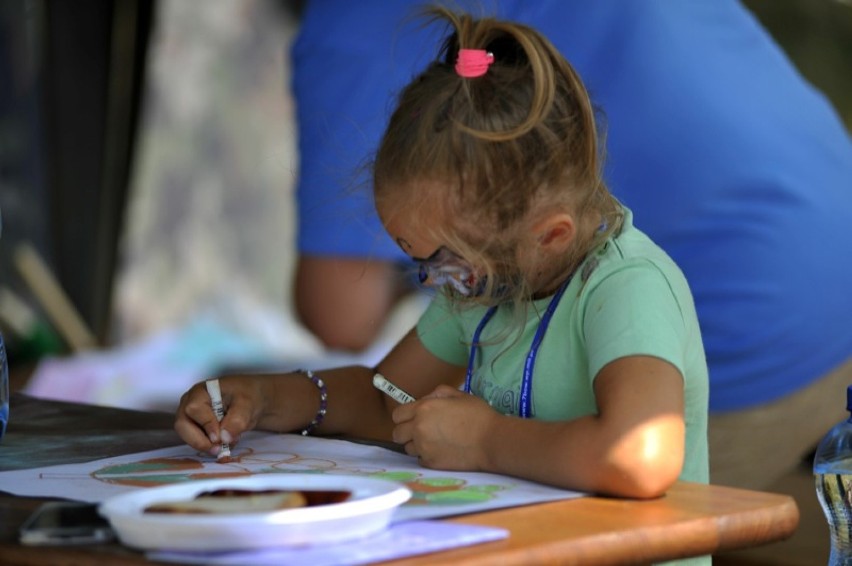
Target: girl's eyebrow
[[403, 243]]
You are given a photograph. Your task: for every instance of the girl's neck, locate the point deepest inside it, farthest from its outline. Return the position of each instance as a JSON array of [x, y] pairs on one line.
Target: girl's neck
[[556, 270], [549, 287]]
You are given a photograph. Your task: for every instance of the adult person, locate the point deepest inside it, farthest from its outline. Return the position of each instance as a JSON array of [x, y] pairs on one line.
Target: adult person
[[736, 166]]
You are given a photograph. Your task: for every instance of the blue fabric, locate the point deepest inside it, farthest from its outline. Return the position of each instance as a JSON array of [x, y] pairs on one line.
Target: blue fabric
[[729, 159]]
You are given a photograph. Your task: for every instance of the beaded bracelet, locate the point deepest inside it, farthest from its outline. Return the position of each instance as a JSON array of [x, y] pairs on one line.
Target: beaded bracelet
[[323, 391]]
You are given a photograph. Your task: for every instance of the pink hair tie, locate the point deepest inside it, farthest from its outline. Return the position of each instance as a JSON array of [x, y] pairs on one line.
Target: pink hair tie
[[472, 63]]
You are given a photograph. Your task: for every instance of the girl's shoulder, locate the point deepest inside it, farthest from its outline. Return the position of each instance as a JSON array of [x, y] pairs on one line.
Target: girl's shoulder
[[627, 247], [631, 258]]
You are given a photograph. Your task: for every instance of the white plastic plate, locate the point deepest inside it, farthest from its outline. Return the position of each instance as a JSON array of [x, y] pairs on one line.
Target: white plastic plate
[[367, 511]]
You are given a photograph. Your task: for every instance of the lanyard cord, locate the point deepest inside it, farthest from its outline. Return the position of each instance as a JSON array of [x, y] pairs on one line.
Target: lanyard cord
[[525, 403]]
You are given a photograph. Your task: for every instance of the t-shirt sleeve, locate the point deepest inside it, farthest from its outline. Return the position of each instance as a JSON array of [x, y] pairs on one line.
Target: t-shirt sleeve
[[634, 311], [441, 332]]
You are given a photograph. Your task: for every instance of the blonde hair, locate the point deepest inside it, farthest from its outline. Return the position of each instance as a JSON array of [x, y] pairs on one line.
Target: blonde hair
[[519, 139]]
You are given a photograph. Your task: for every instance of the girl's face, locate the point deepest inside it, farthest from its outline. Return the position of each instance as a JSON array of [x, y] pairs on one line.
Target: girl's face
[[438, 264]]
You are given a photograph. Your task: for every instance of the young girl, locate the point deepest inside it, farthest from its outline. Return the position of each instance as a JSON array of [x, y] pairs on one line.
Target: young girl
[[562, 345]]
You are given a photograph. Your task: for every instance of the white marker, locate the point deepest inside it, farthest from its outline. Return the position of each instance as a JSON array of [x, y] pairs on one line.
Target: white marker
[[219, 409], [395, 393]]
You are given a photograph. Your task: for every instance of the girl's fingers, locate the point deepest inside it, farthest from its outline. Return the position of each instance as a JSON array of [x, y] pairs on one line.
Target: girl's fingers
[[195, 421], [193, 435]]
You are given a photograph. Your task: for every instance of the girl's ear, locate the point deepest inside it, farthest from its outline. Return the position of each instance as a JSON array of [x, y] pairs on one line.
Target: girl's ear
[[555, 232]]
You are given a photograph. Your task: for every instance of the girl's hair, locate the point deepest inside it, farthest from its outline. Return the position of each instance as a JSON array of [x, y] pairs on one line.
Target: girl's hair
[[503, 147]]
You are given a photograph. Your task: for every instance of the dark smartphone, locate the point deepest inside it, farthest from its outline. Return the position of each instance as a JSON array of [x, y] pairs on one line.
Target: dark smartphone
[[66, 522]]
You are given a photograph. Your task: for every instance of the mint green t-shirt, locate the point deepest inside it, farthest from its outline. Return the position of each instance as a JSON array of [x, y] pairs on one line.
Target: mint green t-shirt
[[627, 298]]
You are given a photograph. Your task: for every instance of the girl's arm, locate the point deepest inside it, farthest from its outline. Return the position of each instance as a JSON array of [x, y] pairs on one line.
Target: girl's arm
[[634, 446], [288, 402]]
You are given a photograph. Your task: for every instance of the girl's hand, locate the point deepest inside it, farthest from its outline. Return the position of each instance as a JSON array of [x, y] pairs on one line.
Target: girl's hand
[[445, 429], [196, 423]]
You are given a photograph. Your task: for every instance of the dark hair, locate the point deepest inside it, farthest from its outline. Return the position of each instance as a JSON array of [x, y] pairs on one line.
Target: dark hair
[[522, 135]]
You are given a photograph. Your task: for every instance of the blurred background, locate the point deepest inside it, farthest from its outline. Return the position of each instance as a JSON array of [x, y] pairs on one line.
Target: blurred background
[[147, 165], [147, 157]]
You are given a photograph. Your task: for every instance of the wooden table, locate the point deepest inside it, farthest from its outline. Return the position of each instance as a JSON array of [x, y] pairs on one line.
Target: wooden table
[[691, 520]]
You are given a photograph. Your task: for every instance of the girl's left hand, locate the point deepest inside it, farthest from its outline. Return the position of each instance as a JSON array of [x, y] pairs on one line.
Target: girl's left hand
[[445, 429]]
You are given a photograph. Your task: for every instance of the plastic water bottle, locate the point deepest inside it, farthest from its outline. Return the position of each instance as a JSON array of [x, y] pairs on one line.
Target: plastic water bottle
[[833, 477], [4, 389]]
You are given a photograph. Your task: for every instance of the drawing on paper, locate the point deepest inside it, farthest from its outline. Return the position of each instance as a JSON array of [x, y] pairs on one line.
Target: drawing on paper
[[426, 489], [436, 493]]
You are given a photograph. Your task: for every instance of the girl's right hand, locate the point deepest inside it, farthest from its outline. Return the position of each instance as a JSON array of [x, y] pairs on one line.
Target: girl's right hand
[[195, 421]]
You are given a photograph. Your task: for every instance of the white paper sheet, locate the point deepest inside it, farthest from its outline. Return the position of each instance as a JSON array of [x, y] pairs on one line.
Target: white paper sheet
[[436, 493]]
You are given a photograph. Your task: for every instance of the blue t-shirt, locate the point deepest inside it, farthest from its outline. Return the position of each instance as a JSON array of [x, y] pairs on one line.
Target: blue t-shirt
[[737, 167]]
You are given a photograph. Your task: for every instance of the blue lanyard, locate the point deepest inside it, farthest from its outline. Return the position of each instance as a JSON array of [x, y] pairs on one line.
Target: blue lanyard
[[525, 404]]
